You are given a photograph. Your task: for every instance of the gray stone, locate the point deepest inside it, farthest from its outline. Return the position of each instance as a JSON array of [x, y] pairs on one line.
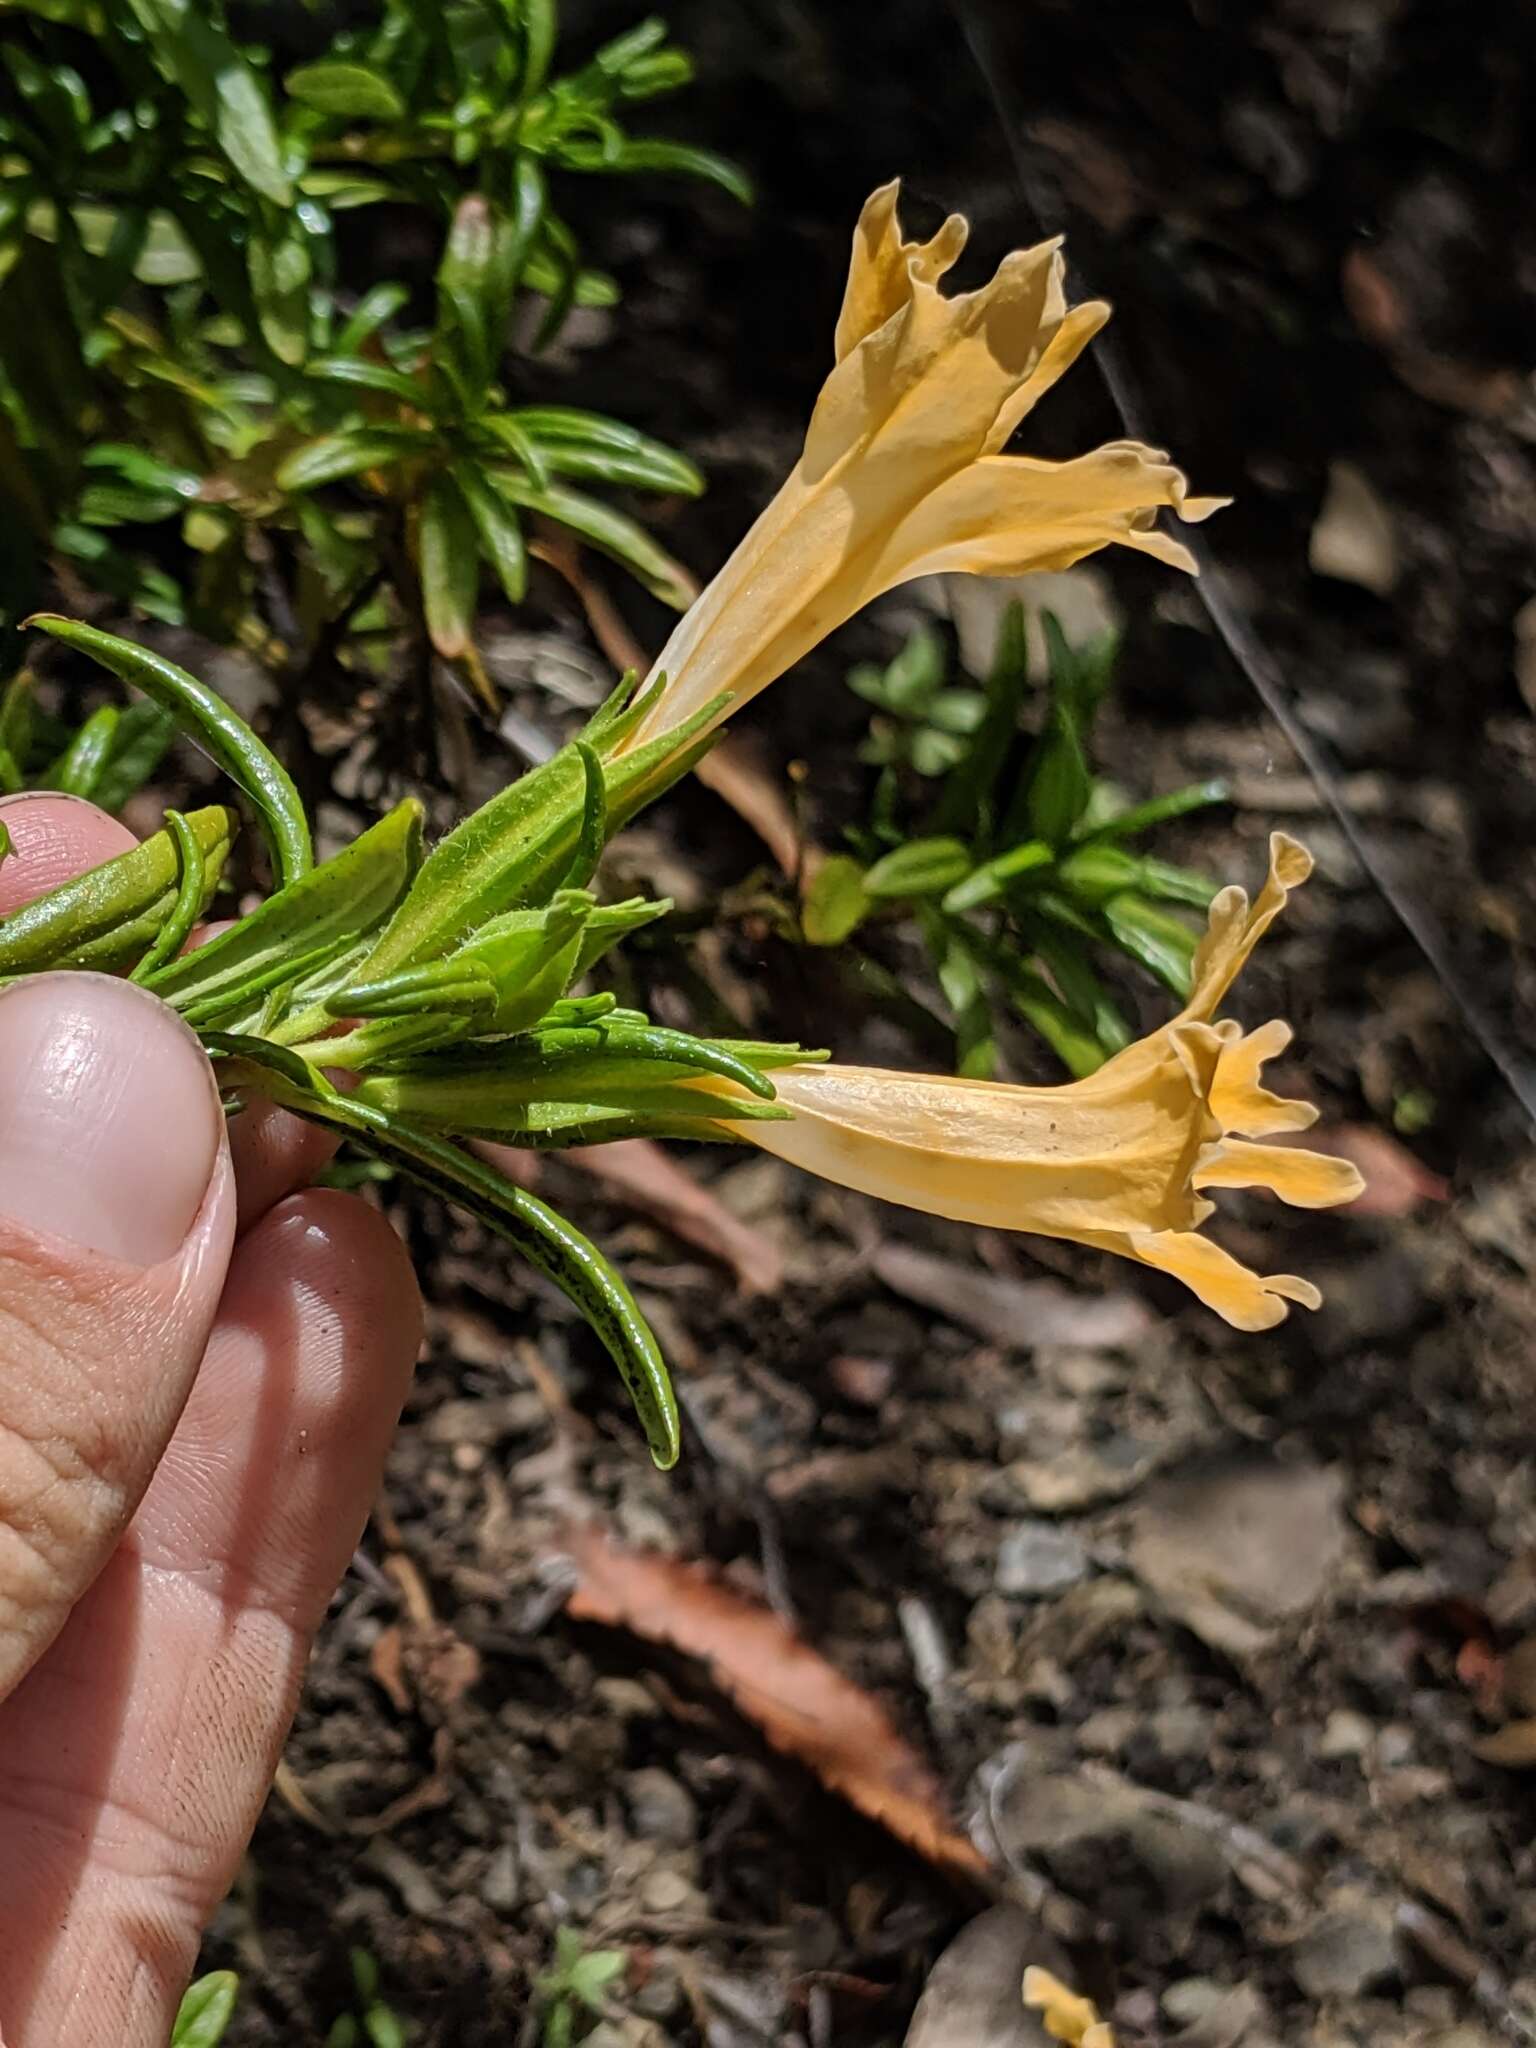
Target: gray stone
[[1037, 1557], [1348, 1951], [662, 1810]]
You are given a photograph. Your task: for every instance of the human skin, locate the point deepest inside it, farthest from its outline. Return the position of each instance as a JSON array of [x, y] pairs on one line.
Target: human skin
[[202, 1360]]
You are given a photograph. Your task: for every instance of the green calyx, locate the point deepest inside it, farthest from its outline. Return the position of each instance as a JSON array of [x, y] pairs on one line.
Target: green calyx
[[446, 983]]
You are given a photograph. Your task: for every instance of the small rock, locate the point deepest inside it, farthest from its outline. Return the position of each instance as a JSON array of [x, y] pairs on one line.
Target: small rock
[[1082, 1475], [1237, 1547], [1212, 2015], [1349, 1951], [1104, 1839], [972, 1998], [1037, 1558], [1107, 1732], [1345, 1734], [1179, 1732], [660, 1996], [666, 1891], [662, 1810], [502, 1886], [1353, 539]]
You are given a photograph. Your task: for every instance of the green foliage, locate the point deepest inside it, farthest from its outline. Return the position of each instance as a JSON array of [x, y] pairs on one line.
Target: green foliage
[[203, 413], [573, 1987], [106, 758], [209, 2005], [206, 2011], [1010, 852], [456, 974], [373, 2024]]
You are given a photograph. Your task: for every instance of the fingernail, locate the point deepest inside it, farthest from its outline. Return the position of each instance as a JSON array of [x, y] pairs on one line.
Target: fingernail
[[109, 1119]]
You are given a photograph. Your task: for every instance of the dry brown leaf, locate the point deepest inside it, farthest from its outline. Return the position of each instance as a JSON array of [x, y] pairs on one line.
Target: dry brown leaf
[[727, 769], [804, 1706], [650, 1181], [1395, 1182], [1513, 1746]]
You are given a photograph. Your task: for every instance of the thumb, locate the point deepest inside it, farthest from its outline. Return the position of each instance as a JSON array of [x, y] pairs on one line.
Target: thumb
[[116, 1216]]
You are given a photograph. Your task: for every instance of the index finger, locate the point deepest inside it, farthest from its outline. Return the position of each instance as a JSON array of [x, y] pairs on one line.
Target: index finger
[[53, 839]]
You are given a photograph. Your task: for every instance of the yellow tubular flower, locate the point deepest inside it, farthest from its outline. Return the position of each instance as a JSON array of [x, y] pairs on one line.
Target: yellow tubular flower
[[1118, 1160], [902, 472]]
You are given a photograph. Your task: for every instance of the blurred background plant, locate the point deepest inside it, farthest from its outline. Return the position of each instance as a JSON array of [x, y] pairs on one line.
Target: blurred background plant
[[209, 2006], [1019, 863], [211, 413]]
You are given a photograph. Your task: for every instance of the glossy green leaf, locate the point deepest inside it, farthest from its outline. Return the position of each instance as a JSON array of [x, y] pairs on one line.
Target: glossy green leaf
[[367, 375], [610, 532], [83, 762], [353, 91], [210, 723], [334, 456], [206, 2010], [923, 867], [1159, 809], [279, 266], [450, 562], [142, 740], [1073, 1042], [500, 531], [227, 93], [104, 919], [377, 305], [836, 902], [1162, 943], [992, 880]]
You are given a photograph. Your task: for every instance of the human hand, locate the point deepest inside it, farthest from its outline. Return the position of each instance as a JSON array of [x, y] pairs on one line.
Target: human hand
[[200, 1371]]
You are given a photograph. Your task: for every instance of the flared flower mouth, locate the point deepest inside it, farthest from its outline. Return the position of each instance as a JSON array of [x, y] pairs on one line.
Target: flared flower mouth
[[1121, 1160], [903, 473]]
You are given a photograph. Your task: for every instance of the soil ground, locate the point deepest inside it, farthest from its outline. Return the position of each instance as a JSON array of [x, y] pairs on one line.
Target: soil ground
[[1205, 1634]]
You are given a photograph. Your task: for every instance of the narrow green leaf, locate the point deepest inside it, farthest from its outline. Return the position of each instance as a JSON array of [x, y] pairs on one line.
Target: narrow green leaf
[[382, 302], [192, 892], [545, 1239], [368, 376], [1073, 1043], [211, 725], [206, 2010], [923, 867], [450, 562], [994, 878], [609, 531], [83, 762], [642, 153], [334, 456], [1162, 943], [313, 919], [500, 531], [594, 821], [353, 91], [227, 93], [144, 735], [836, 903], [105, 918], [1177, 804], [17, 710]]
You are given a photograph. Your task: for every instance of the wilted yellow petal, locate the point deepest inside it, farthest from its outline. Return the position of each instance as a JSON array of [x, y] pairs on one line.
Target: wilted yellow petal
[[1119, 1161], [902, 470], [1065, 2015]]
